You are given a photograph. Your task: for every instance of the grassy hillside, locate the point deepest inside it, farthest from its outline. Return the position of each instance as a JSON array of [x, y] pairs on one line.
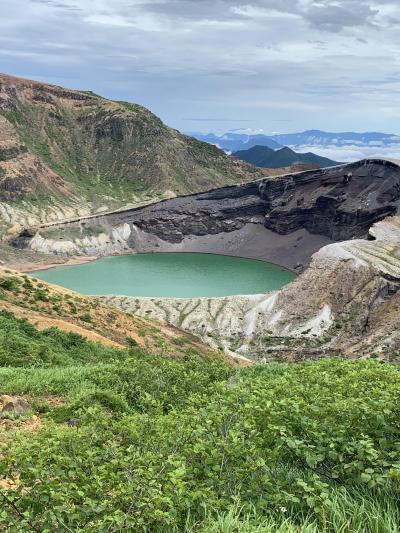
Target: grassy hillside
[[113, 423], [67, 149], [47, 306], [263, 156], [124, 441]]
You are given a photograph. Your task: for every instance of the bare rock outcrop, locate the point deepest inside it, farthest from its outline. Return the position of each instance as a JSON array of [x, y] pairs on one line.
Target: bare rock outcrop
[[15, 406]]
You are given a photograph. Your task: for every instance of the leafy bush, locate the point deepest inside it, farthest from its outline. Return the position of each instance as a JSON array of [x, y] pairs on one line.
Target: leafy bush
[[189, 445], [10, 283], [22, 345], [40, 295], [86, 318]]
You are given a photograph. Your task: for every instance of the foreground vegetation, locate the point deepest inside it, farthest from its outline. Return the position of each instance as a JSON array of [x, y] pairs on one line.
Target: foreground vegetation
[[187, 445]]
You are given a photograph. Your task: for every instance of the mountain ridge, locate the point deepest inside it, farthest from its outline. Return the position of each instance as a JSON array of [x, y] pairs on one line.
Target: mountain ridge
[[262, 156], [76, 150], [235, 141], [232, 142], [315, 137]]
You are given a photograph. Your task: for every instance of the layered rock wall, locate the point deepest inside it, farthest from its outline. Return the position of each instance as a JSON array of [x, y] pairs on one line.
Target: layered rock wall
[[315, 207]]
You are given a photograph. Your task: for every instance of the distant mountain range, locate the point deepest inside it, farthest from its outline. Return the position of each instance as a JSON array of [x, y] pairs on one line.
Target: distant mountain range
[[232, 142], [235, 141], [262, 156]]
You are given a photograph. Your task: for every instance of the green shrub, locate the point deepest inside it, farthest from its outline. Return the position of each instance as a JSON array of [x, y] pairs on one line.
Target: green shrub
[[180, 341], [131, 342], [22, 345], [40, 295], [189, 445], [10, 283]]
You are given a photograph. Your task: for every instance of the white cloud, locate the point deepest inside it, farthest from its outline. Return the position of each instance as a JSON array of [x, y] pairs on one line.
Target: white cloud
[[352, 152]]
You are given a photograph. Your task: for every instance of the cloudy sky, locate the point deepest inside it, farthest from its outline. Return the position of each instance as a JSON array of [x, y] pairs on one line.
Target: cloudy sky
[[280, 65]]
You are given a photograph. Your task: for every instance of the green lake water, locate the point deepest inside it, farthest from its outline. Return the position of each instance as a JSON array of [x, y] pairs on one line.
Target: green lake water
[[179, 275]]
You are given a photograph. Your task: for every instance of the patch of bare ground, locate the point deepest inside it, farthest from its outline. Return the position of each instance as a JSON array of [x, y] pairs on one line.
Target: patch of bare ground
[[10, 484], [31, 424]]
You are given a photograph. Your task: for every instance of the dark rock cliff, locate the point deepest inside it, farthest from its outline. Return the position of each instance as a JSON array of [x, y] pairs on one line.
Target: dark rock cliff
[[338, 203], [341, 203]]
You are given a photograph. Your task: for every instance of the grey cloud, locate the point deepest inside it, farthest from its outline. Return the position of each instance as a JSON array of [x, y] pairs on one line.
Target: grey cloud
[[318, 64], [335, 16], [329, 15], [57, 4], [216, 9]]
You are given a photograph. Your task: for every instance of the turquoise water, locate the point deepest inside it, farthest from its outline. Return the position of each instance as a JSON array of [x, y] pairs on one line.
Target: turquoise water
[[180, 275]]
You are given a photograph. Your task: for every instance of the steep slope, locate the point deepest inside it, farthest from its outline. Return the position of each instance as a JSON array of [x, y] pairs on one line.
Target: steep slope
[[48, 306], [65, 152], [263, 156]]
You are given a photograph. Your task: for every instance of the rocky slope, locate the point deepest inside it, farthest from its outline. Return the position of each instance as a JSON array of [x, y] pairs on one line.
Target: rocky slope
[[66, 153], [347, 302]]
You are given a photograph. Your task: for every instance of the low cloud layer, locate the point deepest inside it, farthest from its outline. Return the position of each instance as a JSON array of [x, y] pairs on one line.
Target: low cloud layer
[[353, 153], [206, 64]]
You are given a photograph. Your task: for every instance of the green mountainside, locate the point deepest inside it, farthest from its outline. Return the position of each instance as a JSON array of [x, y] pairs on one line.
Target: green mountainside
[[262, 156], [60, 147]]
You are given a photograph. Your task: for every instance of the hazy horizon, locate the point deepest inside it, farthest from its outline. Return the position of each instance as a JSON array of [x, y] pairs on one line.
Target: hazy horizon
[[262, 131]]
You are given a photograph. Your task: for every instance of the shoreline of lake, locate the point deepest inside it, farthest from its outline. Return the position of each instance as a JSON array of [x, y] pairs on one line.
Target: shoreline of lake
[[169, 275]]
